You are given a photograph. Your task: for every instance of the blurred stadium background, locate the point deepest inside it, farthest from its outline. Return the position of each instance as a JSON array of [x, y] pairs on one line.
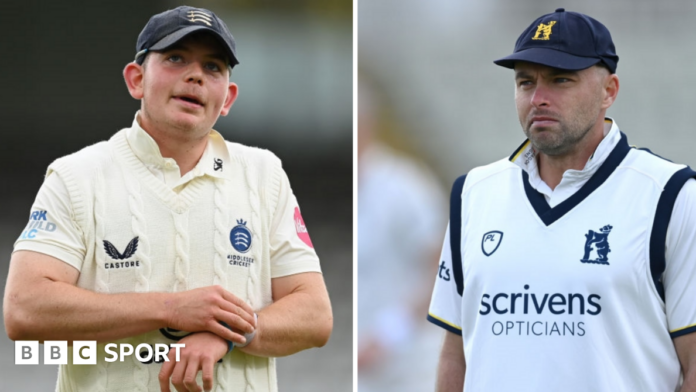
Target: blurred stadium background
[[429, 90], [62, 89]]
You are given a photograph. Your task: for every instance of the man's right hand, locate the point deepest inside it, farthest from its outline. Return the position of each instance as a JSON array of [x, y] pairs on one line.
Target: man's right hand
[[204, 308]]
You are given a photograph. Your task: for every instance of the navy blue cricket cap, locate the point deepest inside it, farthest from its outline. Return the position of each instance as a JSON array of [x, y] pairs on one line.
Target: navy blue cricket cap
[[564, 40], [169, 27]]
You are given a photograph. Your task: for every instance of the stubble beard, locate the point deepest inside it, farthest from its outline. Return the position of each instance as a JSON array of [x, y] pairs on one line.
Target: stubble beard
[[562, 141], [567, 135]]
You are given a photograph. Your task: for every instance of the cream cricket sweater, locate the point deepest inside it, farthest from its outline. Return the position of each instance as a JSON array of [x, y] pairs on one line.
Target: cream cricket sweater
[[143, 237]]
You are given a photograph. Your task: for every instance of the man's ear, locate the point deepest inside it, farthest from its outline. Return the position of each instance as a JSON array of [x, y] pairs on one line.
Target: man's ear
[[232, 91], [133, 75], [611, 90]]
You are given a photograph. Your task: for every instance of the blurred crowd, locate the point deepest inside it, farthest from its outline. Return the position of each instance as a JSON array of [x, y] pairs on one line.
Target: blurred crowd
[[401, 222]]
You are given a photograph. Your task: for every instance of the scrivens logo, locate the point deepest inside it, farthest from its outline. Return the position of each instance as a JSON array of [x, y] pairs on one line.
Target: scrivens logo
[[545, 306]]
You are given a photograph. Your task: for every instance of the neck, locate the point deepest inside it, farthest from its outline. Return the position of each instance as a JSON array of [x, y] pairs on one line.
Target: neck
[[184, 147], [552, 167]]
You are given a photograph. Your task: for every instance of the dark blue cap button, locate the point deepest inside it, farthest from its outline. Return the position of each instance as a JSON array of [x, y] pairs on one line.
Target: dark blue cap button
[[560, 10]]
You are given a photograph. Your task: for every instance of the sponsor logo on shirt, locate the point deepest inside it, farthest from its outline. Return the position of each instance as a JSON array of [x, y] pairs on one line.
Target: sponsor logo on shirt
[[491, 241], [113, 252], [301, 229], [597, 244], [547, 304], [38, 221], [217, 164], [444, 273]]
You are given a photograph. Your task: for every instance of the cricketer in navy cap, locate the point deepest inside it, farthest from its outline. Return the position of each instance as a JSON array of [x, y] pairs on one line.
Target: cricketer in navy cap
[[533, 220], [169, 27]]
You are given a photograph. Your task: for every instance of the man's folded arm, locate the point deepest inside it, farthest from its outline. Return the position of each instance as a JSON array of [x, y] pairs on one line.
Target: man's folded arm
[[42, 302], [299, 318]]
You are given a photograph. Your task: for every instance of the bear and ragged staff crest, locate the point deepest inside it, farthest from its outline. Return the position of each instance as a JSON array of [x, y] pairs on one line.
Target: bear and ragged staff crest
[[599, 243]]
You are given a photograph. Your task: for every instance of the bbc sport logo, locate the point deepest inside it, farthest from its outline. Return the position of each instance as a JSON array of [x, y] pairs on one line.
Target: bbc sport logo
[[85, 352]]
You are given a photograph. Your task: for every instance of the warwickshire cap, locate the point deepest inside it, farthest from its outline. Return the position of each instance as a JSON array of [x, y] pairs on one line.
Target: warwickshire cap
[[169, 27], [564, 40]]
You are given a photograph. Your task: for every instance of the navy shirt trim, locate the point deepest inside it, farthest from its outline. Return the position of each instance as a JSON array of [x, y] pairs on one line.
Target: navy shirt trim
[[550, 215], [456, 232]]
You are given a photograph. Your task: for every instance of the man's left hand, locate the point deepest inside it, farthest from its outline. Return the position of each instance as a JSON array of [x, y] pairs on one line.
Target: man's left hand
[[202, 351]]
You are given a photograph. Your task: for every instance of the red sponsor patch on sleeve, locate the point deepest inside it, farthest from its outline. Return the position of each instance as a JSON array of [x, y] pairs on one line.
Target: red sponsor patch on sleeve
[[301, 228]]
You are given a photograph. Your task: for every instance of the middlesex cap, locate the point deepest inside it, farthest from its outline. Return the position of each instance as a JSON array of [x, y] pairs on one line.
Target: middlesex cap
[[564, 40], [169, 27]]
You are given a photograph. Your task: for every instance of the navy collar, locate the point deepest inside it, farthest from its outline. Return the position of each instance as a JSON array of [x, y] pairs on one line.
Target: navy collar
[[549, 215]]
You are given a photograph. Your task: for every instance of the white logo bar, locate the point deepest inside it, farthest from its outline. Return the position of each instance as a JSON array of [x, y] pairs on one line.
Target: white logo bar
[[84, 352]]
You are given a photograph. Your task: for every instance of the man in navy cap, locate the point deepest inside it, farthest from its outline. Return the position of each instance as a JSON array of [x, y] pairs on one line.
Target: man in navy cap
[[167, 234], [572, 262]]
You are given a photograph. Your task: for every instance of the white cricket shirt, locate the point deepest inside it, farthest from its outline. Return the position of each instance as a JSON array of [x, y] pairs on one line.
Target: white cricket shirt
[[119, 215], [584, 293]]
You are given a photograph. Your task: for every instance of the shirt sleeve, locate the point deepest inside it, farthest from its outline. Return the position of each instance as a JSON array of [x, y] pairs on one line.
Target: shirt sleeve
[[291, 249], [52, 229], [445, 305], [680, 270]]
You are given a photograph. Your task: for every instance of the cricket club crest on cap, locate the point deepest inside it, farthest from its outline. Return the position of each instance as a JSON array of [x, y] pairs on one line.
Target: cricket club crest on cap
[[564, 40], [240, 237], [169, 27]]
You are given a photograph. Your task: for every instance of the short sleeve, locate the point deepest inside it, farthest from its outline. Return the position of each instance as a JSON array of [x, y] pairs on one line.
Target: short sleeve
[[680, 269], [445, 305], [291, 249], [52, 229]]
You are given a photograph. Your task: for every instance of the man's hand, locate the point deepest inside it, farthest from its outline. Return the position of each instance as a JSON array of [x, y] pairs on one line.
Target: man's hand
[[202, 310], [202, 351]]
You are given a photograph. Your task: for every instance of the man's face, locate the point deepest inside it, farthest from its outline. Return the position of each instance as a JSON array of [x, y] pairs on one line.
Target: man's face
[[557, 108], [186, 87]]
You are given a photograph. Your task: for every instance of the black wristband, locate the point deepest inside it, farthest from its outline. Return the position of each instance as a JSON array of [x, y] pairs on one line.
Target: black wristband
[[230, 344]]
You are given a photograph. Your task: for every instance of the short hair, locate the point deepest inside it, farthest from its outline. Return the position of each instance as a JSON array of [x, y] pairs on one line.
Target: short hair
[[601, 64]]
